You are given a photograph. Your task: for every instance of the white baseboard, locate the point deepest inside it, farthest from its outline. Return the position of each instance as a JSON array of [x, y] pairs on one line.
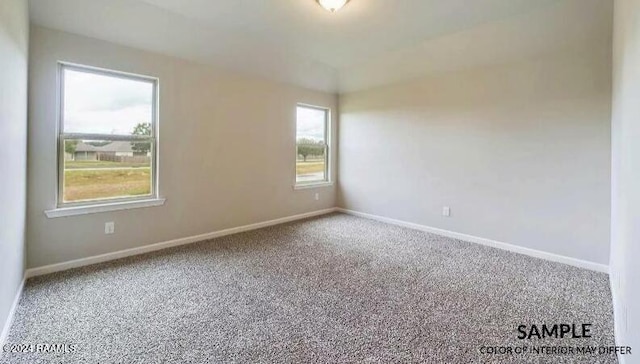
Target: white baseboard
[[619, 319], [492, 243], [192, 239], [167, 244], [12, 312]]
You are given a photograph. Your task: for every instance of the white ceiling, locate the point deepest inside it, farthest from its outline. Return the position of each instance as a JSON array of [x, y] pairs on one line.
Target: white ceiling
[[294, 41]]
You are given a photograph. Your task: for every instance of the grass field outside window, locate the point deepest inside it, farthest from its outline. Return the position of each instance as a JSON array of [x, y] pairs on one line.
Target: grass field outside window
[[96, 180]]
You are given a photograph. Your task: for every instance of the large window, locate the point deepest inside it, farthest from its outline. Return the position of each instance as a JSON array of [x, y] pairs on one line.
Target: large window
[[312, 146], [107, 136]]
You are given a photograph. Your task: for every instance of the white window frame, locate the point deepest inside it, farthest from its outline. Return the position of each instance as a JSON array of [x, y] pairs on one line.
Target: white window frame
[[105, 204], [327, 181]]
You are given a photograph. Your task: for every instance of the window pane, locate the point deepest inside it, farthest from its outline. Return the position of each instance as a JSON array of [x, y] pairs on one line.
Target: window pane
[[102, 169], [311, 145], [311, 125], [310, 164], [102, 104]]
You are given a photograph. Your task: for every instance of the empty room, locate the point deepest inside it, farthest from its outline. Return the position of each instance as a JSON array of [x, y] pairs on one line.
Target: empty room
[[319, 181]]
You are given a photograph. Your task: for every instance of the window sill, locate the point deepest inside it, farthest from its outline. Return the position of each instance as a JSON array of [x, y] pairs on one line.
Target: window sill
[[93, 209], [306, 186]]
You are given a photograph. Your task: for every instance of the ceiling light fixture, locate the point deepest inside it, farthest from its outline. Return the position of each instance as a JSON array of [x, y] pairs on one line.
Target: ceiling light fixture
[[332, 5]]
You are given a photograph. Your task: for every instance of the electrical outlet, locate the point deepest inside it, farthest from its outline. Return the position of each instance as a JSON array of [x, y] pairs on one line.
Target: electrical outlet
[[109, 227], [317, 197], [446, 211]]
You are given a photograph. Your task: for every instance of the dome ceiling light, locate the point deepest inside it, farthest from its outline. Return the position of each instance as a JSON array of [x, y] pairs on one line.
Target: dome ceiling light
[[332, 5]]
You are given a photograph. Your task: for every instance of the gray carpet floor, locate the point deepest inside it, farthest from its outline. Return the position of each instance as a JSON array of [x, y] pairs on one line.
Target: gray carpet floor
[[331, 289]]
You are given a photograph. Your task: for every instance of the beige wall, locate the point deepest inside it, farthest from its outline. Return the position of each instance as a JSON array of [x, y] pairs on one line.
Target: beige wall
[[14, 40], [625, 212], [520, 152], [227, 151]]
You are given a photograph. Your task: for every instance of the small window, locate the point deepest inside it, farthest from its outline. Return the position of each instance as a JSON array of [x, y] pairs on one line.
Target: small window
[[107, 136], [312, 147]]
